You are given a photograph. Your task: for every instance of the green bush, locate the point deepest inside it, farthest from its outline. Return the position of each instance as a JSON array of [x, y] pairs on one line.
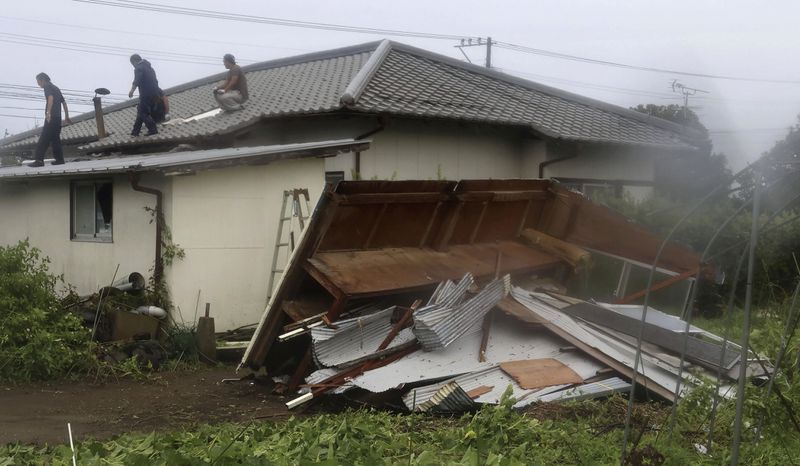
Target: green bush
[[38, 339]]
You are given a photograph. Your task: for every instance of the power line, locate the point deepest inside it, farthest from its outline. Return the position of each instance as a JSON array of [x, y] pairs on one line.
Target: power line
[[37, 91], [266, 20], [152, 34], [144, 6], [749, 130], [564, 56], [107, 50], [20, 116], [587, 85], [20, 108]]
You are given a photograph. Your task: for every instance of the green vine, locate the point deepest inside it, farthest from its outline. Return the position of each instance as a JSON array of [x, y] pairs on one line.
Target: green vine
[[169, 250]]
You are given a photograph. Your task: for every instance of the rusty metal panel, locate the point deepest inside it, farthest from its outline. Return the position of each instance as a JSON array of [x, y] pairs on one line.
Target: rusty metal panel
[[597, 227], [365, 273], [371, 238]]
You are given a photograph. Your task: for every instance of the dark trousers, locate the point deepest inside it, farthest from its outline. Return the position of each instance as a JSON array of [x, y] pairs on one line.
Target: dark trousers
[[144, 114], [50, 137]]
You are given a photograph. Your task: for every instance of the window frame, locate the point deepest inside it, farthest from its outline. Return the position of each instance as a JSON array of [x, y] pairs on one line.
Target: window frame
[[94, 237]]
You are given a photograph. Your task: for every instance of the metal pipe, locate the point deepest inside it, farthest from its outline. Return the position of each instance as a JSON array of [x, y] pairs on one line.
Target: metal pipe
[[688, 311], [729, 319], [546, 163], [657, 257], [748, 300], [158, 264], [381, 127], [98, 117], [791, 324], [687, 314], [728, 324]]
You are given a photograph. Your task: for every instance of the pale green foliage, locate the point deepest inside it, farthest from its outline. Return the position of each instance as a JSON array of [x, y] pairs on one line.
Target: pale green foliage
[[38, 339]]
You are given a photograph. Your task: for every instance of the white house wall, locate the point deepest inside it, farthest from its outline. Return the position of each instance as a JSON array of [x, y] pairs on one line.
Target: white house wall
[[40, 211], [226, 221], [439, 150], [608, 163]]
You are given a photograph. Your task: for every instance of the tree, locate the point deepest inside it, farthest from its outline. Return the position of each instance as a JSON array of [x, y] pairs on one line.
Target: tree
[[690, 176], [676, 114]]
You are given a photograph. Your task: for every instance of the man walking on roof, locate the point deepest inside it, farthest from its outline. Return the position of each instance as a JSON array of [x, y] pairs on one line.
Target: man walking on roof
[[233, 92], [51, 131], [144, 77]]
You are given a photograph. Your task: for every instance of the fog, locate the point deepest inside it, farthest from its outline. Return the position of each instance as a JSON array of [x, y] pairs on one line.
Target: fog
[[89, 46]]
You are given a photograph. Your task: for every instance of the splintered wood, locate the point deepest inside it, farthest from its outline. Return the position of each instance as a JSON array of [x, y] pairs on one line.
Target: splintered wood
[[540, 373]]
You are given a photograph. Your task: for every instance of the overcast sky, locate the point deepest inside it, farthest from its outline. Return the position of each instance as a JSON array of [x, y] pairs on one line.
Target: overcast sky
[[732, 38]]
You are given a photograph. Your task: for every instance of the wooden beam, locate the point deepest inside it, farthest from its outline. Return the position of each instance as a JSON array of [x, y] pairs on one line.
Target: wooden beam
[[477, 226], [323, 280], [449, 227], [430, 224], [300, 372], [656, 286], [389, 198], [485, 329], [375, 225]]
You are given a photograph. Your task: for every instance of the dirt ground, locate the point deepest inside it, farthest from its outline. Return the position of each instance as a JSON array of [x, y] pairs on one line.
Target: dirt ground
[[38, 413]]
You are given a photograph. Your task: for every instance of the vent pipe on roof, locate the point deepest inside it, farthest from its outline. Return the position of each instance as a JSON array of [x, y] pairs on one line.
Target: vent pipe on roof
[[98, 111]]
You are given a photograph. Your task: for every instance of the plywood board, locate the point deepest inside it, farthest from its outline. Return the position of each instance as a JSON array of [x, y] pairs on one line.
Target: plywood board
[[365, 273], [540, 373], [478, 391]]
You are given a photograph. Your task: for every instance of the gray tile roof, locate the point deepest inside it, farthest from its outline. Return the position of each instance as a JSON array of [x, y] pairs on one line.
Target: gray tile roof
[[382, 77], [417, 83]]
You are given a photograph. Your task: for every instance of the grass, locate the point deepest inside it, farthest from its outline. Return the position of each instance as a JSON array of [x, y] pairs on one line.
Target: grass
[[576, 433]]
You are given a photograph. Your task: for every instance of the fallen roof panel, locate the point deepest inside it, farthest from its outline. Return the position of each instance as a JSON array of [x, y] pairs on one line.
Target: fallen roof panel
[[376, 238]]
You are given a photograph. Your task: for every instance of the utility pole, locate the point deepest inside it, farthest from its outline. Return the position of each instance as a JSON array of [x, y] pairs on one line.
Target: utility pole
[[686, 91], [488, 52], [478, 42]]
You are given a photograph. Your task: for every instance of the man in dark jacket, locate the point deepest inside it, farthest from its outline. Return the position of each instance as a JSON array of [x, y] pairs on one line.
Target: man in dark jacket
[[144, 77], [51, 131]]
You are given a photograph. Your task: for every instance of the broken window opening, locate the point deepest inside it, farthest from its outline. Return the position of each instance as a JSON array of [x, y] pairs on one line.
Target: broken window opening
[[92, 211]]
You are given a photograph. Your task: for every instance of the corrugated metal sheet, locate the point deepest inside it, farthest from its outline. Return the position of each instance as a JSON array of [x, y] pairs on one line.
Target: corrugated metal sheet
[[654, 316], [448, 398], [589, 390], [355, 340], [178, 160], [508, 341], [436, 328], [665, 377], [492, 377], [325, 373]]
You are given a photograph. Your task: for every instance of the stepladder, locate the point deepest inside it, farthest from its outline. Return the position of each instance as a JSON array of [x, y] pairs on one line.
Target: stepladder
[[295, 212]]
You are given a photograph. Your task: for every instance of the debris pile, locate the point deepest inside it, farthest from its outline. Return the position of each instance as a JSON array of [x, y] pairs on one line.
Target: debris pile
[[122, 311], [488, 260]]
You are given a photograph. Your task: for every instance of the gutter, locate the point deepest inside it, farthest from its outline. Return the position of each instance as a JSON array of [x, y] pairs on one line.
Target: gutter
[[546, 163], [158, 267], [381, 127]]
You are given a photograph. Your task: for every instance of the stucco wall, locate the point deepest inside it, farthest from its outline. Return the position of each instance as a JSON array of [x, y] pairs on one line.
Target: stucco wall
[[410, 149], [40, 211], [607, 163], [407, 148], [226, 221]]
